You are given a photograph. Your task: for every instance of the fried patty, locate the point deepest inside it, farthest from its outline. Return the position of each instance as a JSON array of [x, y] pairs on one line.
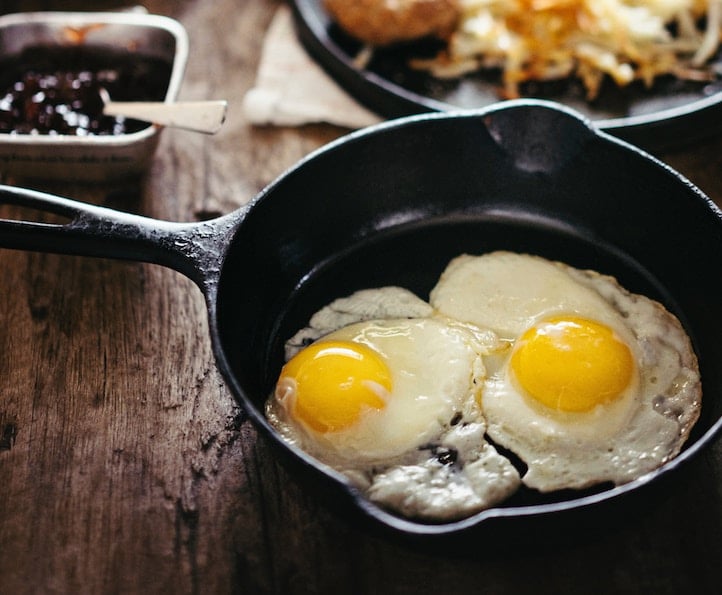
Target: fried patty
[[384, 22]]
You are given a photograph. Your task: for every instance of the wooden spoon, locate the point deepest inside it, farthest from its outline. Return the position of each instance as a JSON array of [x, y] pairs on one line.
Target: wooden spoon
[[200, 116]]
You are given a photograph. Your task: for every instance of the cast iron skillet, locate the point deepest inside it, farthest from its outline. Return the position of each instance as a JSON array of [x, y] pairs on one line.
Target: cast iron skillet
[[671, 113], [392, 205]]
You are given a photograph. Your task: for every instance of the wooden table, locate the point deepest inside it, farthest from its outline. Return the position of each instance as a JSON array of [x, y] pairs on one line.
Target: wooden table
[[127, 467]]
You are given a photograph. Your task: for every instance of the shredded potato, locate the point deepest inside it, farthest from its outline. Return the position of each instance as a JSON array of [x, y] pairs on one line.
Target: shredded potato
[[540, 40]]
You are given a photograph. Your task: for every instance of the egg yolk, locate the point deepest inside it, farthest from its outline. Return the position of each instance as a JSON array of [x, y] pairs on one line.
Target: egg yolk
[[330, 384], [572, 364]]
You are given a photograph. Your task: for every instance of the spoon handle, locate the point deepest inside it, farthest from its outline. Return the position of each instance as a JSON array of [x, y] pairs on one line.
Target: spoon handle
[[199, 116]]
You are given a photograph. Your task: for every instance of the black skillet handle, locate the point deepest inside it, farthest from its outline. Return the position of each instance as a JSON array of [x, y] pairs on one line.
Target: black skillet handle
[[194, 249]]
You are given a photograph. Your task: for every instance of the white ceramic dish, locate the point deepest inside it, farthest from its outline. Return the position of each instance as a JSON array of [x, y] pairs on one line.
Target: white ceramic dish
[[90, 158]]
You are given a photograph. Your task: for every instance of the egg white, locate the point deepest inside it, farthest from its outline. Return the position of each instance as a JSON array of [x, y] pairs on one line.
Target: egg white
[[507, 292], [615, 442], [365, 304]]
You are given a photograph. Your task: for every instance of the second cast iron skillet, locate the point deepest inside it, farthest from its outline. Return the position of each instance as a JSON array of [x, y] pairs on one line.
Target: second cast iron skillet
[[392, 205], [670, 113]]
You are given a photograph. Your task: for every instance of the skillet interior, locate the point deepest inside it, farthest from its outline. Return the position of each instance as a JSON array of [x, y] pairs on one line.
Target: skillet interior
[[394, 205]]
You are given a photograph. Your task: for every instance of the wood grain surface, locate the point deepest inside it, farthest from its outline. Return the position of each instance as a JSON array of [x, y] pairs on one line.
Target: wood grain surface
[[127, 467]]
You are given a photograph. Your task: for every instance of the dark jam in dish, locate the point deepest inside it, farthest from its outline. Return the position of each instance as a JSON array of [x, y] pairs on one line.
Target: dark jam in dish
[[55, 89]]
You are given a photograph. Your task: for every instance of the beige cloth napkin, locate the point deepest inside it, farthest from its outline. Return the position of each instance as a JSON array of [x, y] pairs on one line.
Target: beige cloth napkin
[[291, 89]]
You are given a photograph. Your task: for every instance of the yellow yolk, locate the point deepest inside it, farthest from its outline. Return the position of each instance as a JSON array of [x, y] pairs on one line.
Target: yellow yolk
[[572, 364], [330, 384]]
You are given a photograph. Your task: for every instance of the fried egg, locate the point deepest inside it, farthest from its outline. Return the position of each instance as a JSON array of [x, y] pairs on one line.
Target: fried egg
[[393, 404], [596, 385], [581, 380]]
